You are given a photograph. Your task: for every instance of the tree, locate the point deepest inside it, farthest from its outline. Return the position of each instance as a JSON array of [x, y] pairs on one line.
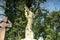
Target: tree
[[16, 10], [25, 17]]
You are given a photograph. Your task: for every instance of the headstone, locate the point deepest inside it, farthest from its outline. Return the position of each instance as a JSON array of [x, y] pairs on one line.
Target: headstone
[[3, 25]]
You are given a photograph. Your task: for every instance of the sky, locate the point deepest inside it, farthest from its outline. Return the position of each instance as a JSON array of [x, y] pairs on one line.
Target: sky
[[2, 3], [50, 5]]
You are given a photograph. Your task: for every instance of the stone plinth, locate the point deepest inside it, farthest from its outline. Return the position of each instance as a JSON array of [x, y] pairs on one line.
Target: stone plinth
[[28, 39]]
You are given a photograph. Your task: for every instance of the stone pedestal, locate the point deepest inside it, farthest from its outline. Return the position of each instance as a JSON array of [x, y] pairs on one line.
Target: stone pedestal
[[28, 39]]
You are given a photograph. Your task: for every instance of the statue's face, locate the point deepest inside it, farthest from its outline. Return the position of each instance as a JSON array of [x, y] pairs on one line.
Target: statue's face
[[4, 19]]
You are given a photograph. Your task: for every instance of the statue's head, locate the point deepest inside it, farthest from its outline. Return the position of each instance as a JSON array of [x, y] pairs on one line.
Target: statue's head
[[5, 19]]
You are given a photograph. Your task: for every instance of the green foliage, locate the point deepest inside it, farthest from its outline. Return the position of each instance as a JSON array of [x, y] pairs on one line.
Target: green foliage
[[18, 20], [15, 13], [18, 29], [49, 33]]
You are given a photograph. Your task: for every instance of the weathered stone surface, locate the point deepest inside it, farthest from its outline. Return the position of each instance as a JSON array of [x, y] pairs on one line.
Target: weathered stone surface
[[2, 34], [29, 35], [28, 39], [3, 25]]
